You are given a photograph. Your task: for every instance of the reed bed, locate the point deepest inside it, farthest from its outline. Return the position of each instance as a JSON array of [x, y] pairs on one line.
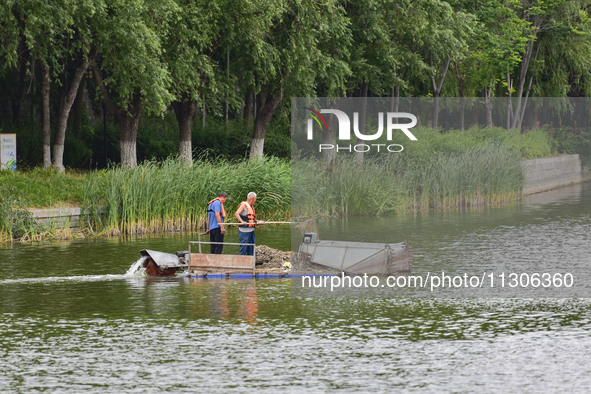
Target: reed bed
[[167, 196], [441, 171], [487, 175], [345, 188]]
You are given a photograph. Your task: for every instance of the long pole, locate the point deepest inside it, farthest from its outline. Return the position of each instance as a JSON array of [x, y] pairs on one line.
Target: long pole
[[235, 224]]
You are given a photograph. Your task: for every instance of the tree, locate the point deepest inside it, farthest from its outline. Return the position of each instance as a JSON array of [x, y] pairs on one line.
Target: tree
[[42, 25], [494, 49], [11, 63], [444, 39], [193, 38], [373, 57], [552, 20], [79, 50], [129, 67], [279, 52]]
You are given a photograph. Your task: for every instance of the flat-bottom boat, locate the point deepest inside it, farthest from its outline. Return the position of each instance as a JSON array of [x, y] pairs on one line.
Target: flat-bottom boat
[[313, 257]]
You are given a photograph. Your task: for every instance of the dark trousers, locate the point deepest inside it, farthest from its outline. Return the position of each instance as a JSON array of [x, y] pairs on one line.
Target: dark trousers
[[215, 235]]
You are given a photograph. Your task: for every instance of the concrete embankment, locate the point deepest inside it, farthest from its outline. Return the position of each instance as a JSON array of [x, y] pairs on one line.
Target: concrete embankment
[[552, 172], [59, 217]]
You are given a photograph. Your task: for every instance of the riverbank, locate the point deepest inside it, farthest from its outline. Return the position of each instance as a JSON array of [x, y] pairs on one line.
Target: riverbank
[[154, 197], [477, 167]]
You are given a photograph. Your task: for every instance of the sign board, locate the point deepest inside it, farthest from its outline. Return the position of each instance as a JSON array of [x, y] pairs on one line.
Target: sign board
[[8, 152]]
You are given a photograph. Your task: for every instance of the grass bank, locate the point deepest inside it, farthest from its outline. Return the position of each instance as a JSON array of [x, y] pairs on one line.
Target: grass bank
[[37, 188]]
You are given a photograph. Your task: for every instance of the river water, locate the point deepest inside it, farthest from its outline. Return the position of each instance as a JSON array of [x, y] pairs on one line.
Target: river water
[[72, 320]]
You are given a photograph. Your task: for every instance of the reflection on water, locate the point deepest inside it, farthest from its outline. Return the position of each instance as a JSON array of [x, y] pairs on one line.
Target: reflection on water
[[72, 321]]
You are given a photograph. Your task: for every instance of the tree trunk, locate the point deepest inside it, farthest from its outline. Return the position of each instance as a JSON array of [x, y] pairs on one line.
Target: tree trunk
[[394, 98], [437, 90], [185, 113], [45, 89], [488, 110], [22, 75], [330, 137], [128, 119], [62, 123], [525, 62], [129, 126], [461, 90], [435, 114], [509, 104], [363, 88], [488, 104], [266, 106], [249, 106], [78, 108], [531, 77]]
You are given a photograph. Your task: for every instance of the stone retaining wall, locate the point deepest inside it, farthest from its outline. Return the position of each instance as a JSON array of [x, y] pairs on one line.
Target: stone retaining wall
[[551, 173], [59, 217]]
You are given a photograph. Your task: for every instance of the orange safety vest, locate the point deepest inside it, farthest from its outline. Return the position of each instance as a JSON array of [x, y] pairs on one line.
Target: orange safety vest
[[250, 216], [211, 210]]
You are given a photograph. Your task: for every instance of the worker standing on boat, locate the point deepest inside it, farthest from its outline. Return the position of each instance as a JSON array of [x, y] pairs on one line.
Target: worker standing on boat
[[215, 222], [246, 215]]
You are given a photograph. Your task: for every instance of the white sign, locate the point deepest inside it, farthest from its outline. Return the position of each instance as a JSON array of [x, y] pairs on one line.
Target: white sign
[[8, 152]]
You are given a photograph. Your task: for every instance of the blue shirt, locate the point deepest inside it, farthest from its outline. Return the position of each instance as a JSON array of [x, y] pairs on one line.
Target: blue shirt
[[216, 206]]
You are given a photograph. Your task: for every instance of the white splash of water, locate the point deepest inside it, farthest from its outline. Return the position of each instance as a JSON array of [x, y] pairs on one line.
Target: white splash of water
[[80, 278], [137, 268]]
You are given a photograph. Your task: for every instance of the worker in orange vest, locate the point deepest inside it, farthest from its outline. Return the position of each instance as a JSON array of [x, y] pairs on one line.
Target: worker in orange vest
[[247, 216], [215, 222]]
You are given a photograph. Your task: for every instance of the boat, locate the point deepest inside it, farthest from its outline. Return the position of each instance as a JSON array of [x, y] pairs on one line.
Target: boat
[[313, 257], [353, 258], [163, 264], [194, 263]]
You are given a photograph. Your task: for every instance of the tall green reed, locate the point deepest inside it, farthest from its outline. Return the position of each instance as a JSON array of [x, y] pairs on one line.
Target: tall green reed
[[168, 196], [473, 176]]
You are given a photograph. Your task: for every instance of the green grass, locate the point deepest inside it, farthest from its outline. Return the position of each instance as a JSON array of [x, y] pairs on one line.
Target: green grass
[[344, 189], [45, 188], [486, 175]]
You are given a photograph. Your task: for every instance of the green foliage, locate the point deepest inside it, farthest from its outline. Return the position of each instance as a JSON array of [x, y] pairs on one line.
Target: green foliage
[[217, 53], [530, 144], [15, 220], [488, 174], [131, 35], [473, 167], [573, 141]]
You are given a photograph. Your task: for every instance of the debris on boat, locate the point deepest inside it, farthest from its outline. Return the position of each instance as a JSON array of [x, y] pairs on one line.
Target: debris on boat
[[267, 257]]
